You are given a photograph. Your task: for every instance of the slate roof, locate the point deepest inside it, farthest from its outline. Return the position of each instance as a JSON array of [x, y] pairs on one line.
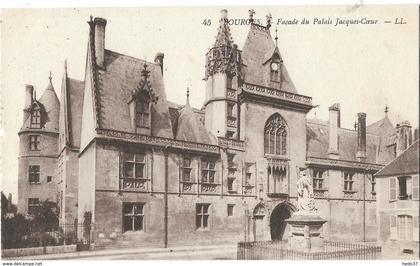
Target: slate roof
[[116, 83], [406, 163], [50, 110], [258, 49], [191, 129], [317, 142], [386, 132]]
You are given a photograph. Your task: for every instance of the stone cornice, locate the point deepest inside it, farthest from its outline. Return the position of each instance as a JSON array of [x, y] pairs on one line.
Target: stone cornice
[[276, 96], [343, 164], [156, 141]]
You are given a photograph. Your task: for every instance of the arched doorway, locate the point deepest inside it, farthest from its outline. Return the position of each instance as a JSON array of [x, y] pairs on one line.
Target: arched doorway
[[280, 213]]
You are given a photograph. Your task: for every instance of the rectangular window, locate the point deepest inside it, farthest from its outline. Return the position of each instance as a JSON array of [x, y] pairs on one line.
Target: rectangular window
[[404, 185], [33, 205], [229, 134], [230, 208], [228, 82], [36, 119], [49, 179], [416, 228], [34, 142], [230, 107], [405, 227], [348, 181], [133, 216], [202, 215], [186, 169], [318, 178], [34, 171], [231, 184], [208, 171], [134, 165], [142, 114]]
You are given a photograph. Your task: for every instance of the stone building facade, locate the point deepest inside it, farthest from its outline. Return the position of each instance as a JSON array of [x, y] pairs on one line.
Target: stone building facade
[[148, 172]]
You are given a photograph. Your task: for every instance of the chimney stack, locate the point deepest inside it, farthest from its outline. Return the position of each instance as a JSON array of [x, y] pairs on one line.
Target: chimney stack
[[334, 111], [100, 24], [404, 136], [29, 99], [159, 60], [361, 136]]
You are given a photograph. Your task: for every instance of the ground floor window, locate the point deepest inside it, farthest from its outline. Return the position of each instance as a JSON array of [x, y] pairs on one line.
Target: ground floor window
[[133, 216], [33, 205], [202, 215], [405, 227]]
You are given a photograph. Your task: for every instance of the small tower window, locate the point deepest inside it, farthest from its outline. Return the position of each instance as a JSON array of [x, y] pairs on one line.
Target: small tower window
[[34, 143], [36, 118]]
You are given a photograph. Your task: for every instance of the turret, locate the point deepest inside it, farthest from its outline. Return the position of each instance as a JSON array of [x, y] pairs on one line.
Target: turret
[[223, 63]]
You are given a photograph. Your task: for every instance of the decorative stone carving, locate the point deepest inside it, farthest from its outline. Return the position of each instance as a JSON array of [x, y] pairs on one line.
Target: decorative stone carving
[[271, 92], [232, 143], [187, 187], [208, 187], [133, 184], [231, 121], [158, 141]]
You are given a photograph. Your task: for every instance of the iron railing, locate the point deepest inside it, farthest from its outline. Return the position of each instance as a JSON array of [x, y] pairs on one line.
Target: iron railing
[[271, 250]]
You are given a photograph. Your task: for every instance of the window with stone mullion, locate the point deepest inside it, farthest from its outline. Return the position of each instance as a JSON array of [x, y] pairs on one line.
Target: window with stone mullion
[[134, 165]]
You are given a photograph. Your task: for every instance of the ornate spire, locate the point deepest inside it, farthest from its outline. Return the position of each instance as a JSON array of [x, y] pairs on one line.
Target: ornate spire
[[145, 85], [224, 37]]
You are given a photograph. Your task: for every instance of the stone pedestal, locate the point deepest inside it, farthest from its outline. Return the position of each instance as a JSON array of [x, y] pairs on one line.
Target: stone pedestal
[[305, 232]]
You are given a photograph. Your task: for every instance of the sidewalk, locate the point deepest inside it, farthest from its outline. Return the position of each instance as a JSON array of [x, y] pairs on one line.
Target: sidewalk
[[123, 251]]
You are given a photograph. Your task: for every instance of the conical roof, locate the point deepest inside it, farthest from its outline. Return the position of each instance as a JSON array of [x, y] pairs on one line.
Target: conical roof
[[51, 108]]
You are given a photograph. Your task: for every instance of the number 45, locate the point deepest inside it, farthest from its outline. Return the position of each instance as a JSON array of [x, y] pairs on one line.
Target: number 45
[[207, 22]]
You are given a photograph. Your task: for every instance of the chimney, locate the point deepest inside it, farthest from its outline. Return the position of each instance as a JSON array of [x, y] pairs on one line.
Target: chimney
[[416, 134], [404, 137], [100, 24], [159, 60], [361, 136], [29, 99], [9, 198], [333, 131]]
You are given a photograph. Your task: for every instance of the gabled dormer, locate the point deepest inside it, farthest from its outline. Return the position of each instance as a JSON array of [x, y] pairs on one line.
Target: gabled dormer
[[140, 104]]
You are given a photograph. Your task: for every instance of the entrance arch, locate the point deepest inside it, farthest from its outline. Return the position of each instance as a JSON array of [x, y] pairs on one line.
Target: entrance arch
[[259, 222], [278, 225]]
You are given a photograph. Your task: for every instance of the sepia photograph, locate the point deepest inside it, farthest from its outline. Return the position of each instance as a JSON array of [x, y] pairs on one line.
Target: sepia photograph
[[246, 132]]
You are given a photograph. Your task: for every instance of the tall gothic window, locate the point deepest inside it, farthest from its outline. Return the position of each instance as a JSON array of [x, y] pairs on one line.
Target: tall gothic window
[[143, 110], [275, 136]]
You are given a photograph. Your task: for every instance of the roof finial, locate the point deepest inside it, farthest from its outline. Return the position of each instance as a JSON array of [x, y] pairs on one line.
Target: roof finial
[[50, 77], [34, 93], [188, 95], [251, 15], [386, 110], [65, 65], [276, 37], [269, 17]]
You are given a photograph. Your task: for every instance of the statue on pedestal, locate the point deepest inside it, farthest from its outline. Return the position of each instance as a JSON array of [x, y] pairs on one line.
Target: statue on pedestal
[[306, 202]]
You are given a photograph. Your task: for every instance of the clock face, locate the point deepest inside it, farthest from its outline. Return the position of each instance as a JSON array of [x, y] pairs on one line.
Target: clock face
[[274, 66]]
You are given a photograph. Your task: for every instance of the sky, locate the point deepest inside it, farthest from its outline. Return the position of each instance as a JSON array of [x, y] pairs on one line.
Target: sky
[[362, 67]]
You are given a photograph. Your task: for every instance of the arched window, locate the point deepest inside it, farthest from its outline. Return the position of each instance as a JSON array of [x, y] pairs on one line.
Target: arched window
[[275, 136], [143, 110]]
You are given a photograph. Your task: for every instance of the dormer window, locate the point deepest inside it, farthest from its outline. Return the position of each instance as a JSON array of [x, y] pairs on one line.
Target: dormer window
[[143, 110], [36, 118]]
